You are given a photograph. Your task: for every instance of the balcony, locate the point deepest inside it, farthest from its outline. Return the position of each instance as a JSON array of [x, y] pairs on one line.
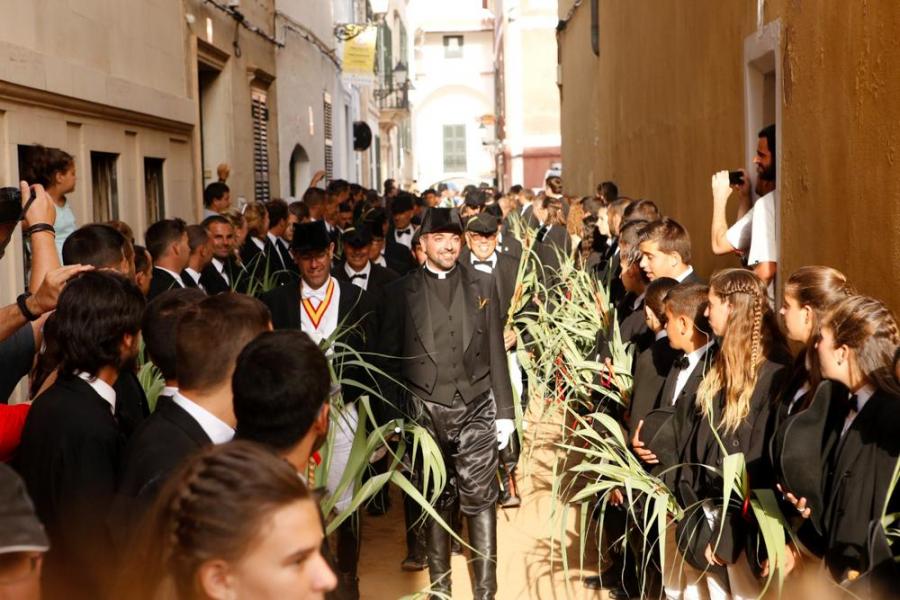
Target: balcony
[[393, 99]]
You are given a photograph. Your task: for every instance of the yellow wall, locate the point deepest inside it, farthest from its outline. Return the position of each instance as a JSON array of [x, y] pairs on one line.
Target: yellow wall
[[662, 108]]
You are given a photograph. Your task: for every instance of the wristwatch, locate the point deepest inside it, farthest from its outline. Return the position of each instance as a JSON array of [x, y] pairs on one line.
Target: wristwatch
[[24, 307]]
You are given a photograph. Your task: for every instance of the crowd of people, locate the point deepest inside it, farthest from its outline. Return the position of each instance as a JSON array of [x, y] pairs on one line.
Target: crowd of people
[[270, 323]]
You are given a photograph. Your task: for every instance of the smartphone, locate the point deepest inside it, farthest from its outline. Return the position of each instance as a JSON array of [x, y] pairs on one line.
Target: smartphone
[[736, 177]]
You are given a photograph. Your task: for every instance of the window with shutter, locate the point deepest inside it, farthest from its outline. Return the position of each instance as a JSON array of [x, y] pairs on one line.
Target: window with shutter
[[454, 148], [260, 112], [329, 139]]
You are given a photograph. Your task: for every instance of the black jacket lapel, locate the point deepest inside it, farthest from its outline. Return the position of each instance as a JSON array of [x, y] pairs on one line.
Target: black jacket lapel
[[418, 309]]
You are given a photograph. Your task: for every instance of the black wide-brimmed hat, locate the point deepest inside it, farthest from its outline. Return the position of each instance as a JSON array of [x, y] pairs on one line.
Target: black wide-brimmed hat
[[441, 220], [483, 224], [310, 237], [475, 199], [357, 237], [403, 202]]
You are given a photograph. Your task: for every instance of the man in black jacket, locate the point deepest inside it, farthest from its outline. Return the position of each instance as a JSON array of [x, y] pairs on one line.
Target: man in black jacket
[[223, 273], [330, 311], [356, 268], [71, 442], [209, 337], [167, 243], [443, 334], [398, 240]]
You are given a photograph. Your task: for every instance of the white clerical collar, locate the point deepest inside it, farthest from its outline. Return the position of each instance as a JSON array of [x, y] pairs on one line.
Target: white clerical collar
[[103, 389], [680, 278], [215, 428], [439, 274], [175, 276], [661, 334], [364, 271]]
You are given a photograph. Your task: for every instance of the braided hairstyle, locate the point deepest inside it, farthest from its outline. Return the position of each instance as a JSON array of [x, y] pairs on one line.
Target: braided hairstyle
[[214, 508], [869, 328], [751, 337]]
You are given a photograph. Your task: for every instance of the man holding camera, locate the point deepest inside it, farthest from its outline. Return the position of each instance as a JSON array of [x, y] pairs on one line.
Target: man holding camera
[[754, 235]]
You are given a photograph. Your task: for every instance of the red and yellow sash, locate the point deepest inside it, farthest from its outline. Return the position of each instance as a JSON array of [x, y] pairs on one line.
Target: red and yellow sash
[[316, 313]]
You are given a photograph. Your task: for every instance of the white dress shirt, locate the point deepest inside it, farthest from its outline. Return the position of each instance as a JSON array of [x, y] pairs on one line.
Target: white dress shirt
[[484, 268], [405, 239], [176, 276], [380, 260], [684, 274], [258, 242], [362, 282], [103, 389], [683, 375], [862, 396], [662, 333], [220, 267], [329, 321], [276, 243], [195, 276], [169, 390], [215, 428]]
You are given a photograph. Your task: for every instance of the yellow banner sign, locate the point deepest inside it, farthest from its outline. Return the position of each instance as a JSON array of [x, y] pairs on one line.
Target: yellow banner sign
[[359, 54]]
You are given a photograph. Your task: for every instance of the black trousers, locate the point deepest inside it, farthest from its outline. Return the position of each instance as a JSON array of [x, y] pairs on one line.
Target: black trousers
[[467, 437]]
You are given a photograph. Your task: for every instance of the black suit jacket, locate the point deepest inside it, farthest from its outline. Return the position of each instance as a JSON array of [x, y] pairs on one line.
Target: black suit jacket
[[505, 272], [651, 369], [398, 257], [161, 282], [510, 246], [356, 319], [158, 448], [378, 278], [857, 482], [406, 336], [132, 407], [188, 280], [68, 458], [238, 278]]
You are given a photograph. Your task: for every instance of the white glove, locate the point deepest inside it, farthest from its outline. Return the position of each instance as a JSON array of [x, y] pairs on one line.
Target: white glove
[[505, 428]]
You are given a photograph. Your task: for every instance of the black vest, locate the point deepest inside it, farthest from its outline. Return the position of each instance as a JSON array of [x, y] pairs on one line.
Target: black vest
[[447, 323]]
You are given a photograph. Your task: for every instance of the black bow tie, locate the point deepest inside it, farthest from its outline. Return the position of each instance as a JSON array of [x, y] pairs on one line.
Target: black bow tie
[[853, 403], [359, 276], [484, 263], [682, 363], [406, 231]]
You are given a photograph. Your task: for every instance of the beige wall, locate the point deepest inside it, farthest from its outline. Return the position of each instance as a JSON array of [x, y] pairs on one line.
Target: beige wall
[[662, 108]]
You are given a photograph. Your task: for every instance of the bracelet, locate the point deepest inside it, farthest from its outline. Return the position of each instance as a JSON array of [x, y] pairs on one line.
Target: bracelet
[[30, 316], [39, 227]]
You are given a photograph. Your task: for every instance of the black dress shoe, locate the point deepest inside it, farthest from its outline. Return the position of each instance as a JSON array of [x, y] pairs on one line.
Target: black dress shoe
[[592, 582], [620, 593]]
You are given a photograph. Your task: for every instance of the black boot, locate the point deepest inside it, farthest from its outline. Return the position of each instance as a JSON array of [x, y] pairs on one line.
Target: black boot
[[439, 554], [456, 548], [483, 539], [415, 536], [347, 560]]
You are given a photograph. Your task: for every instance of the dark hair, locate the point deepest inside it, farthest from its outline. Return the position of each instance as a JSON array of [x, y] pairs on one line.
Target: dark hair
[[197, 236], [337, 187], [160, 323], [609, 191], [429, 191], [630, 234], [280, 383], [211, 334], [215, 506], [768, 132], [641, 210], [94, 244], [870, 329], [689, 300], [655, 294], [299, 209], [215, 219], [123, 228], [163, 234], [554, 182], [95, 310], [515, 189], [45, 163], [670, 236], [214, 191], [313, 197], [141, 261], [278, 211]]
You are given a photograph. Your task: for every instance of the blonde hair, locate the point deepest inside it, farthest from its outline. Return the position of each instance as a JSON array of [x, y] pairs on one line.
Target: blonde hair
[[255, 215], [751, 336]]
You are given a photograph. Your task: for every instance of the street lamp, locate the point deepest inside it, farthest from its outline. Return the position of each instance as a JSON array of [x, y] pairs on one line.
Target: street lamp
[[401, 75]]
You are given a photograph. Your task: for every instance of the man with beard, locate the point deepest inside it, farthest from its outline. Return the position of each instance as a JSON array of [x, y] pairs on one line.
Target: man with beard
[[442, 336], [71, 442], [754, 236]]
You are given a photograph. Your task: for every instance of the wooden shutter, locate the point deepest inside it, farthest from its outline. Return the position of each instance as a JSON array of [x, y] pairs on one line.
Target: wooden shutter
[[260, 112], [329, 139]]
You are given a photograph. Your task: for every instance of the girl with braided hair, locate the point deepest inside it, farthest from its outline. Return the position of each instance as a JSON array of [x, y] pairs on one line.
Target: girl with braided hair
[[857, 348], [735, 402], [235, 523]]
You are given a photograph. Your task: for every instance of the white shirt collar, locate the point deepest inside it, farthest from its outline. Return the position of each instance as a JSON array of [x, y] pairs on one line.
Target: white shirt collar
[[364, 271], [863, 395], [685, 274], [307, 292], [484, 268], [661, 334], [193, 274], [695, 356], [259, 243], [439, 274], [215, 428], [103, 389], [273, 238], [169, 390], [637, 301], [176, 276]]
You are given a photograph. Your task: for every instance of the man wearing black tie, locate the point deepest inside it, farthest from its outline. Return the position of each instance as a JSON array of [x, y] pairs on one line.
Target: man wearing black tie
[[223, 273], [398, 242], [279, 223], [442, 335], [358, 269], [167, 242], [200, 245]]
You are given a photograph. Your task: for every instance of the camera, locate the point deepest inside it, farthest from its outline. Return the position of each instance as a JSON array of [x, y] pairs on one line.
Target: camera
[[736, 177], [11, 209]]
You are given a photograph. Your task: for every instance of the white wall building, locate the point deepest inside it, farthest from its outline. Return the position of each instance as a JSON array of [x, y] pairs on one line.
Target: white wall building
[[454, 100]]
